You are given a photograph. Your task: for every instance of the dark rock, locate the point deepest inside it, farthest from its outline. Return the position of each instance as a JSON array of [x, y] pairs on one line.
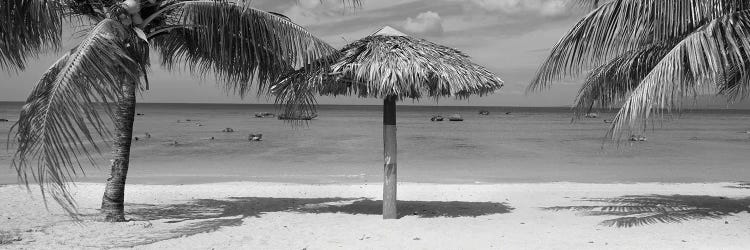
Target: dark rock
[[4, 120], [228, 130], [255, 137], [436, 118], [297, 117], [638, 138], [265, 115]]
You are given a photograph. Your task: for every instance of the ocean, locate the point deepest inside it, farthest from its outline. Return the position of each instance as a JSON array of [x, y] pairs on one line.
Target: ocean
[[344, 145]]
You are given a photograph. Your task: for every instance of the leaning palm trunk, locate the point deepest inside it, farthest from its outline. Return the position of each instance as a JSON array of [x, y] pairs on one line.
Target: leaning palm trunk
[[62, 123], [113, 202]]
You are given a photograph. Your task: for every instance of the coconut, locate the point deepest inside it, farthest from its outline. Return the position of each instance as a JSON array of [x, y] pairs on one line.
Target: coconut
[[131, 6], [137, 19], [125, 20]]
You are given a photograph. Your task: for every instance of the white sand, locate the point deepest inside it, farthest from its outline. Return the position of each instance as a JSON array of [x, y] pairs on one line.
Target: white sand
[[527, 226]]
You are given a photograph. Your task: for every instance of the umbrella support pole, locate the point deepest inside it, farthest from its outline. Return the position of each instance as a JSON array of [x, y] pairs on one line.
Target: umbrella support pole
[[389, 153]]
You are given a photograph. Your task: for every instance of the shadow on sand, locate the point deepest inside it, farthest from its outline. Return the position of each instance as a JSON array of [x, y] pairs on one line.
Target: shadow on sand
[[422, 209], [740, 185], [207, 215], [636, 210]]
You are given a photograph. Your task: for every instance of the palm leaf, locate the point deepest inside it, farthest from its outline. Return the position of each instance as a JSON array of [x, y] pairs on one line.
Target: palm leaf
[[609, 84], [238, 44], [733, 83], [60, 121], [619, 26], [27, 27], [703, 57]]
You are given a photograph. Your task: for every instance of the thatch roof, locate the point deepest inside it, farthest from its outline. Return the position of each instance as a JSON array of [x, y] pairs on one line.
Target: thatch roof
[[390, 63]]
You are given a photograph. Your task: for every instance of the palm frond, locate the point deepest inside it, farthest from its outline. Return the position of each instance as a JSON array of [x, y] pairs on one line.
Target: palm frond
[[703, 57], [27, 27], [609, 84], [238, 44], [733, 83], [619, 26], [641, 210], [60, 122]]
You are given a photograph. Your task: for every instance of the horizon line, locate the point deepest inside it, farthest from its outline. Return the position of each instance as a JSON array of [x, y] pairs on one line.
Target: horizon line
[[676, 110]]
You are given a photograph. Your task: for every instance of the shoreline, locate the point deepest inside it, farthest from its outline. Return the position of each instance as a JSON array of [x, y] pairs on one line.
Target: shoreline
[[201, 180]]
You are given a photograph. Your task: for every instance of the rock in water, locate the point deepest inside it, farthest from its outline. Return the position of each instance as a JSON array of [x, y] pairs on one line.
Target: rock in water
[[264, 115], [637, 138], [255, 137], [298, 116]]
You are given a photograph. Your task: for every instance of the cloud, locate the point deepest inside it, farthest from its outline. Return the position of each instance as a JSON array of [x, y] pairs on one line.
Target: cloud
[[309, 4], [541, 7], [308, 12], [426, 23]]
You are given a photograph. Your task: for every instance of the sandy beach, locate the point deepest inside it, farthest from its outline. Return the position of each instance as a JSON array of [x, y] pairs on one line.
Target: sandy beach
[[255, 215]]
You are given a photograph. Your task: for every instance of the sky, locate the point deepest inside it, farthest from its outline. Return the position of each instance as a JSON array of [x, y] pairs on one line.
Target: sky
[[509, 37]]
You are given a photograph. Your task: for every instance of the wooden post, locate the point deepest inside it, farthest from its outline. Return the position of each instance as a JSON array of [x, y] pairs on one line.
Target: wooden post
[[389, 154]]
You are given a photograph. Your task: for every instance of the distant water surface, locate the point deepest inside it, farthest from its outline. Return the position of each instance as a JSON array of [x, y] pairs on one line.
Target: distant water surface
[[345, 145]]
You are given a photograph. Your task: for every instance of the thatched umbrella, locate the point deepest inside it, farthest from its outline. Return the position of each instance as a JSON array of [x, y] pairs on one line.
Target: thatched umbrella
[[391, 66]]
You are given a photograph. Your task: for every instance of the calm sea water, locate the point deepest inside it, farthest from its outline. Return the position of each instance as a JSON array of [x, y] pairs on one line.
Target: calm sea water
[[345, 145]]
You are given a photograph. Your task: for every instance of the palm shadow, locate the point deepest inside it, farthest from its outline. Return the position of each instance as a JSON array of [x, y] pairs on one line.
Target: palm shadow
[[206, 215], [740, 185], [641, 210], [422, 209]]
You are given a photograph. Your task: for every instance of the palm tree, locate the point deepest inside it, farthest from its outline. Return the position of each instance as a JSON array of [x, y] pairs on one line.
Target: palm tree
[[646, 56], [61, 125]]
